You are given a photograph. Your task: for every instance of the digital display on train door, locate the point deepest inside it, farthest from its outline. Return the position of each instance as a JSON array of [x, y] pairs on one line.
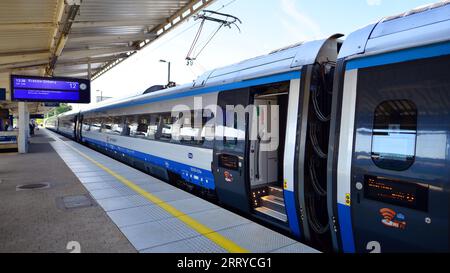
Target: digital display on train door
[[404, 194]]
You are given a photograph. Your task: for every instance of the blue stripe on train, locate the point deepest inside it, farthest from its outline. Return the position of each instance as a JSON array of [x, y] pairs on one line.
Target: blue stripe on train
[[429, 51], [196, 176], [291, 211], [345, 223]]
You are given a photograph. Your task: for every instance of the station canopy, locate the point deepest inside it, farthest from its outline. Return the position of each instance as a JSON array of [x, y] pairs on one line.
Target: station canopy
[[82, 38]]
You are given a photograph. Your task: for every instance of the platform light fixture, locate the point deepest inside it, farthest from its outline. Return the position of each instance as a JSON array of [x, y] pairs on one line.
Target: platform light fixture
[[168, 73]]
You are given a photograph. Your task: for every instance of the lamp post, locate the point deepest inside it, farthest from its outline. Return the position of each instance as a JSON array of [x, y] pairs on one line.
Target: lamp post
[[101, 95], [168, 64]]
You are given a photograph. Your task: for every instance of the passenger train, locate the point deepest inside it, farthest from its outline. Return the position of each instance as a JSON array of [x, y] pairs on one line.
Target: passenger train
[[362, 161]]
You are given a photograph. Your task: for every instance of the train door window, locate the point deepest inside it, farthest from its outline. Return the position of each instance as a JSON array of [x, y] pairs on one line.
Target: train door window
[[234, 128], [394, 135]]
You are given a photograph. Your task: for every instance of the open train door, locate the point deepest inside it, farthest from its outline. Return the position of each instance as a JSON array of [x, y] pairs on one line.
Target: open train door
[[230, 164]]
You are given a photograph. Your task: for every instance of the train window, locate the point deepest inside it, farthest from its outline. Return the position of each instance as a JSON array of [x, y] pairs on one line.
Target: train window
[[167, 126], [209, 126], [138, 126], [96, 125], [113, 126], [191, 128], [85, 125], [394, 135], [153, 127]]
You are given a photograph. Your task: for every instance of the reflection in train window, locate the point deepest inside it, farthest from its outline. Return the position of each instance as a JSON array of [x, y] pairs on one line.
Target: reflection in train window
[[96, 125], [113, 126], [167, 126], [394, 135]]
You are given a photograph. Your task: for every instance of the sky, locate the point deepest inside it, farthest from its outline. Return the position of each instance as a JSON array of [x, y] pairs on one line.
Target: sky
[[267, 25]]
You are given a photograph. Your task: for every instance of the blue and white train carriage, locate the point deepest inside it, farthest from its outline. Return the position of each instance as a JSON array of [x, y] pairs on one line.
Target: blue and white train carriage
[[363, 148]]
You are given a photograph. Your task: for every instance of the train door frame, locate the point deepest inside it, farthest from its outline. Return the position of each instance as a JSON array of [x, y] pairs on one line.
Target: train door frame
[[230, 165], [80, 128], [268, 198]]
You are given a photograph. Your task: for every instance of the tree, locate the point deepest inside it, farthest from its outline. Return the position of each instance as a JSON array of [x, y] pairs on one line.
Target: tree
[[63, 108]]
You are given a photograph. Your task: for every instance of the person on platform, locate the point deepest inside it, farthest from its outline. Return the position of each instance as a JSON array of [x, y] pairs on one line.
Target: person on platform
[[32, 127], [8, 127]]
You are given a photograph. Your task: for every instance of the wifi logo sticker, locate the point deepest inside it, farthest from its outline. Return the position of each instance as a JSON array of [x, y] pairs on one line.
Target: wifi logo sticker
[[392, 219]]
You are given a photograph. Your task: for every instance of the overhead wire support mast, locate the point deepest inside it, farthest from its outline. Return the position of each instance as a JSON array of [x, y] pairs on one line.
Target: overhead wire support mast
[[223, 19]]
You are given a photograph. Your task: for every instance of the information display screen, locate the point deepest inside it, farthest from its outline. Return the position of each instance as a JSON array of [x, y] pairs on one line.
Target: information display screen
[[55, 89], [404, 194], [229, 162]]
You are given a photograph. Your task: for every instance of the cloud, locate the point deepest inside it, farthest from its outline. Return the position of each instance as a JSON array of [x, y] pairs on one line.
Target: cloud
[[298, 23], [374, 2]]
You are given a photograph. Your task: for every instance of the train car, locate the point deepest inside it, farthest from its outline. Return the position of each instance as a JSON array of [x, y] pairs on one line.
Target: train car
[[342, 144], [225, 162], [389, 171]]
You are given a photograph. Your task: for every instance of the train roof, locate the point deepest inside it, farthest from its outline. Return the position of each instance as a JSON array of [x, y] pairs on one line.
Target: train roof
[[287, 59], [421, 26]]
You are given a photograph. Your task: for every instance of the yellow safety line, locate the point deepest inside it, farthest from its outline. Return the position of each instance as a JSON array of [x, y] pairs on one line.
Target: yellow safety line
[[217, 238]]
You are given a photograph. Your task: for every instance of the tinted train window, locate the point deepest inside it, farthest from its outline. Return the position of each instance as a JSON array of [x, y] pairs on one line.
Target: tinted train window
[[209, 126], [86, 126], [191, 127], [167, 126], [138, 126], [394, 135], [113, 126], [153, 127]]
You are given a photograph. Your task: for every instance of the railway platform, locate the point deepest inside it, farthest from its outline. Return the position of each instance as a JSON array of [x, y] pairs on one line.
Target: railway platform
[[92, 203]]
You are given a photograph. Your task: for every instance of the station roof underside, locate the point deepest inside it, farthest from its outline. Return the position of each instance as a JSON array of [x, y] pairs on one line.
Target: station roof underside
[[66, 37], [80, 38]]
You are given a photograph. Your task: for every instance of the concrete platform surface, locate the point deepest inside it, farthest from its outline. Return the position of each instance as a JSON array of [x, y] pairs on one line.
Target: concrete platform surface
[[156, 217], [37, 220]]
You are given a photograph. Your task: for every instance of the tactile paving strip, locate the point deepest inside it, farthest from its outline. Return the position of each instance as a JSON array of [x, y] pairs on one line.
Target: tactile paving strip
[[152, 229]]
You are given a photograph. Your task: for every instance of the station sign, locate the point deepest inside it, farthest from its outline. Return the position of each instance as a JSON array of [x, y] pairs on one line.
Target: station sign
[[52, 104], [50, 89], [37, 116]]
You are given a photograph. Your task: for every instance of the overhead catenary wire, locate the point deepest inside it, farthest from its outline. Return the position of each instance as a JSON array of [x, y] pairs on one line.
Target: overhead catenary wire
[[178, 35], [223, 19]]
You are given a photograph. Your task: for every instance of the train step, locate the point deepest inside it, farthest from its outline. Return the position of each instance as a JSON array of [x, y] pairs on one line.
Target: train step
[[272, 213], [273, 202], [276, 191]]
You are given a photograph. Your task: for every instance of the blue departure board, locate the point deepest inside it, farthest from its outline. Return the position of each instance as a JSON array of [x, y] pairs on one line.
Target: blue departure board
[[45, 89]]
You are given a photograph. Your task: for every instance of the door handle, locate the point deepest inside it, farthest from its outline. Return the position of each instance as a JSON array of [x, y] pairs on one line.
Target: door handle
[[257, 150]]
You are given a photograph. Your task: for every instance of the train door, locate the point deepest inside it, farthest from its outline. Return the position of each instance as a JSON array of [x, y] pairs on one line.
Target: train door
[[229, 162], [400, 166], [75, 127], [266, 154], [80, 128]]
